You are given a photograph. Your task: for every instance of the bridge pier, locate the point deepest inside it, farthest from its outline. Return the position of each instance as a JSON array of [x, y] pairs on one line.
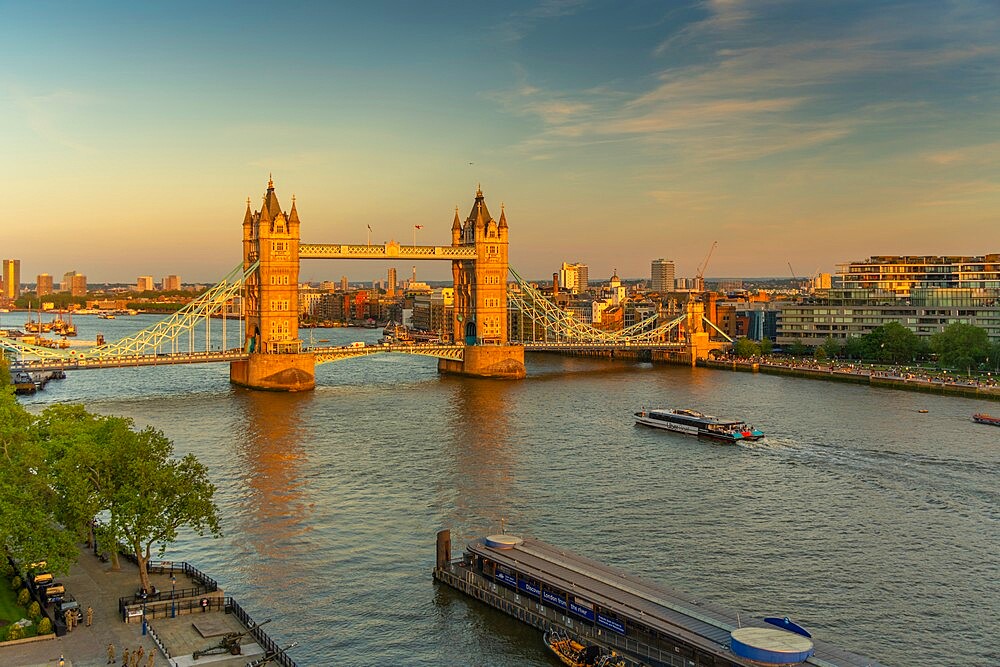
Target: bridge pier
[[275, 372], [487, 361]]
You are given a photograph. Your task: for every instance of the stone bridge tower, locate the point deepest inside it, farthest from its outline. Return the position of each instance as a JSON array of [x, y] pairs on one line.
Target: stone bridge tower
[[271, 301], [480, 313]]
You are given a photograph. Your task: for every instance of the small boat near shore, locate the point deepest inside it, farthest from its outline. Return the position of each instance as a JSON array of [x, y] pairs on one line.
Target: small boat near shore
[[983, 418], [696, 423], [575, 654]]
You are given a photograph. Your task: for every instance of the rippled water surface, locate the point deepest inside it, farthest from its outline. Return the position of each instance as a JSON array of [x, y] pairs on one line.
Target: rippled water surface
[[873, 525]]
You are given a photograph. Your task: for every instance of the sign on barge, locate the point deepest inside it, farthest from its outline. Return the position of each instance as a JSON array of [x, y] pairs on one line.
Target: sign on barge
[[551, 588]]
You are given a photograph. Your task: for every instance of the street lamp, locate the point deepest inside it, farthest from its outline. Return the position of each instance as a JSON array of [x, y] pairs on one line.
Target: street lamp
[[173, 601]]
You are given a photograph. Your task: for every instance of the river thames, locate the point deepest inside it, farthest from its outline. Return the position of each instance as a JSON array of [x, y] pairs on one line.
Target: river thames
[[875, 526]]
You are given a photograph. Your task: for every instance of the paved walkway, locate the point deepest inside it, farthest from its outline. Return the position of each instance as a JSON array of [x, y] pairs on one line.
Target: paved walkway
[[94, 584]]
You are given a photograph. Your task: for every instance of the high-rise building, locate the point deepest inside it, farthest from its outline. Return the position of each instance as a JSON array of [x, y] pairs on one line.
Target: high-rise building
[[12, 278], [343, 283], [43, 284], [144, 284], [171, 283], [662, 276], [391, 286], [78, 284], [573, 277], [67, 281]]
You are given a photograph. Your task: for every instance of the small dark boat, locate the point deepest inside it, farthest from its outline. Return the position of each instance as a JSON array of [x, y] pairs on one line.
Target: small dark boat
[[983, 418], [575, 654]]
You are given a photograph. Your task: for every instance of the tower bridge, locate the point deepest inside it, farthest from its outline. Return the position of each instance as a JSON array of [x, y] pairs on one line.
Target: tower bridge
[[272, 356]]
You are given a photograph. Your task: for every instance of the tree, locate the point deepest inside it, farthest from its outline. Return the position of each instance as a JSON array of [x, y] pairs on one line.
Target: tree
[[832, 347], [798, 349], [29, 531], [855, 347], [766, 346], [900, 344], [150, 495], [745, 347], [961, 345]]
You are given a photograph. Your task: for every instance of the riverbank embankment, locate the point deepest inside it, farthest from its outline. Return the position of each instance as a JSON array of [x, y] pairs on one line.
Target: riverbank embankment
[[860, 374]]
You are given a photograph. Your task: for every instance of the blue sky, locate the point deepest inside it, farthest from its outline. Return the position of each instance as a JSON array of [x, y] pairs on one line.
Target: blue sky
[[615, 133]]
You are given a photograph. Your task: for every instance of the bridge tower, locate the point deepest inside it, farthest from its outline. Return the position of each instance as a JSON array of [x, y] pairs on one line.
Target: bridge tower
[[271, 302], [480, 313]]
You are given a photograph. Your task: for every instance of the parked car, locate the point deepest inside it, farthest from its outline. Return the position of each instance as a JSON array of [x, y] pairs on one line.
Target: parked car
[[55, 592], [68, 602]]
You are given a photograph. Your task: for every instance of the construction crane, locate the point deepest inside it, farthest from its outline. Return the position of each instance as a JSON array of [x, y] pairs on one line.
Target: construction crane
[[699, 278]]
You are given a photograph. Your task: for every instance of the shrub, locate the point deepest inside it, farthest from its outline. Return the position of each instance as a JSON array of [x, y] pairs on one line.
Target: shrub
[[15, 632], [34, 611], [7, 569], [44, 626], [15, 583], [23, 597]]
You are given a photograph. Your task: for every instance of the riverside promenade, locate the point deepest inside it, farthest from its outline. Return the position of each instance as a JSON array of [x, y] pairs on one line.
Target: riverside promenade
[[93, 583], [890, 377]]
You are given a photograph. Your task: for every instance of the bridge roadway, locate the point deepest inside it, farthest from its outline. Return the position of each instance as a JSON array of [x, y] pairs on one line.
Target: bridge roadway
[[323, 354]]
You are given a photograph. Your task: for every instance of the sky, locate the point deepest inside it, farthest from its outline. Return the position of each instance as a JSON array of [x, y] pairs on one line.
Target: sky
[[796, 134]]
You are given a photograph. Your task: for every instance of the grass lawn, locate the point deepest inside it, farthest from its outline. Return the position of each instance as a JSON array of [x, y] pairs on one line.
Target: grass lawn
[[10, 611]]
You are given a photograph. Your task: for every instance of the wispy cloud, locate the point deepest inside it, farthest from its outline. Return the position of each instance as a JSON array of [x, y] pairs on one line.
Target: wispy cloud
[[42, 113], [760, 92]]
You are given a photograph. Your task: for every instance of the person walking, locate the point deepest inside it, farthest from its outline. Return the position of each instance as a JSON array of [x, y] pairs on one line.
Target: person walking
[[138, 656], [152, 659], [125, 656], [90, 616], [111, 654], [68, 617]]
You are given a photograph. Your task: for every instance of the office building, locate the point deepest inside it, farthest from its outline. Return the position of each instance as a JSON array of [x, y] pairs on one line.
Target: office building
[[12, 278], [43, 284], [662, 276]]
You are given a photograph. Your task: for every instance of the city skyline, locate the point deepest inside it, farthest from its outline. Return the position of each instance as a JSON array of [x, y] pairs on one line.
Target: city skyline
[[614, 134]]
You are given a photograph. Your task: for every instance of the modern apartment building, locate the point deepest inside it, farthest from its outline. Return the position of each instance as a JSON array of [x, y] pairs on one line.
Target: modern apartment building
[[171, 283], [144, 284], [574, 277], [899, 274], [662, 276], [923, 293]]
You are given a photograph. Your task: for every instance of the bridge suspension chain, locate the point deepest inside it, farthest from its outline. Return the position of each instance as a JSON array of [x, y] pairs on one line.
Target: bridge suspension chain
[[564, 327], [149, 341]]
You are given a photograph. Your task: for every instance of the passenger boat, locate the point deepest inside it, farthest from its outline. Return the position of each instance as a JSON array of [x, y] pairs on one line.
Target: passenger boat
[[983, 418], [575, 654], [696, 423]]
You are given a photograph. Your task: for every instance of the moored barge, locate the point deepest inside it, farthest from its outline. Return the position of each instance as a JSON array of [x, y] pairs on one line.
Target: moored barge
[[554, 589]]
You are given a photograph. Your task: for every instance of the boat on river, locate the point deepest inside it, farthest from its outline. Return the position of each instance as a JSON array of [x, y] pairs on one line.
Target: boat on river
[[983, 418], [696, 423], [575, 654]]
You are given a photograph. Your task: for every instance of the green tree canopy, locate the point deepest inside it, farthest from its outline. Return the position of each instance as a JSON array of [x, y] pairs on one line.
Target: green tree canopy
[[744, 347], [961, 346], [29, 530], [150, 495]]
